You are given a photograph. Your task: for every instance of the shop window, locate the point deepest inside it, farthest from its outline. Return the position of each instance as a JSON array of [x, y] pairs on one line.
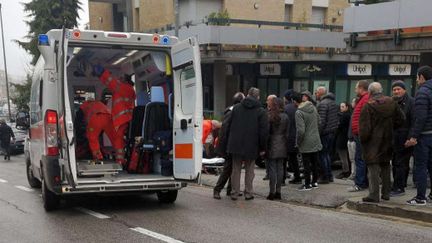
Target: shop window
[[352, 93], [262, 86], [283, 86], [341, 91], [273, 86], [301, 85], [386, 86], [409, 85], [319, 83]]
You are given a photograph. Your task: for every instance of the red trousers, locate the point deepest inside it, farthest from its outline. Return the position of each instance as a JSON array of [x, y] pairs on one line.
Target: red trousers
[[102, 123], [120, 133]]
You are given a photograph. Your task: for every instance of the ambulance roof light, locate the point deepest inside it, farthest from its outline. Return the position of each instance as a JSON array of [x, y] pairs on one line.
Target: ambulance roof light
[[43, 40]]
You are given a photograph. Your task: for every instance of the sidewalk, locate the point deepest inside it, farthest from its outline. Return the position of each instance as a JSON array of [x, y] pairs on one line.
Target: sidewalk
[[335, 195]]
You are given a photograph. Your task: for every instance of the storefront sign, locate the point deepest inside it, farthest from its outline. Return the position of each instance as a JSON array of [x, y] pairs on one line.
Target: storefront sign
[[272, 69], [359, 69], [399, 69], [229, 69]]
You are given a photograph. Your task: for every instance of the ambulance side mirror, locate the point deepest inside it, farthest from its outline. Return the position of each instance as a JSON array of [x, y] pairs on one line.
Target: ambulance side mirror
[[183, 124]]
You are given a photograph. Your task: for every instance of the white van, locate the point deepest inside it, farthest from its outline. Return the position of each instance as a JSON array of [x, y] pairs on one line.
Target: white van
[[165, 70]]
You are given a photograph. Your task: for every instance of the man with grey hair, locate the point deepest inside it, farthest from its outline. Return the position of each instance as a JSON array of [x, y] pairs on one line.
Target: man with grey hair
[[248, 131], [378, 119], [328, 123]]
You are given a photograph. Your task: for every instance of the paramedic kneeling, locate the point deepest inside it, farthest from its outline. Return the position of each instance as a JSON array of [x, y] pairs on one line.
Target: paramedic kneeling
[[98, 119], [123, 103]]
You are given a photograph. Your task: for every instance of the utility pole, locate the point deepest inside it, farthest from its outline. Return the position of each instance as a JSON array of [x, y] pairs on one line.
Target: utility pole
[[177, 17], [5, 66]]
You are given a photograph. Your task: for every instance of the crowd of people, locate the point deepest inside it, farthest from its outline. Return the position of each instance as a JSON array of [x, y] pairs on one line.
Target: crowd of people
[[375, 136]]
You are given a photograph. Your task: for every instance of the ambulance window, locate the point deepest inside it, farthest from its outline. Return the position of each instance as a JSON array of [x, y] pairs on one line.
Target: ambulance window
[[40, 93], [35, 99], [187, 83]]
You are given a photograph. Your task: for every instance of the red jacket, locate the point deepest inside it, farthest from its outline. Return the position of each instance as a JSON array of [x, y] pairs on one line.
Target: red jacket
[[207, 128], [90, 108], [356, 114], [123, 99]]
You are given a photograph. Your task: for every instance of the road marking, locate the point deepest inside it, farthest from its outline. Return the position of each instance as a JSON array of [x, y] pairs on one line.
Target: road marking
[[155, 235], [24, 188], [92, 213], [3, 181]]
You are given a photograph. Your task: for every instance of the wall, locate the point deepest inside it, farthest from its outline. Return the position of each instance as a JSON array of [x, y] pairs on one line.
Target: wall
[[156, 14], [335, 11], [270, 10], [101, 16], [302, 11]]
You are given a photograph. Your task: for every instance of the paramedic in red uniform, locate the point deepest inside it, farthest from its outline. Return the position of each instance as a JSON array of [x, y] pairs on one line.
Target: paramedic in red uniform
[[123, 103], [98, 119], [208, 127]]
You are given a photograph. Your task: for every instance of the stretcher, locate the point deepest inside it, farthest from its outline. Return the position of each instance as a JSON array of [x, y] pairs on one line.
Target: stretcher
[[213, 165]]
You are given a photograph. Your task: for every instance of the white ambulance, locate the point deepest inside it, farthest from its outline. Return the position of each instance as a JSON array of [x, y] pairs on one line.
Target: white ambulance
[[165, 71]]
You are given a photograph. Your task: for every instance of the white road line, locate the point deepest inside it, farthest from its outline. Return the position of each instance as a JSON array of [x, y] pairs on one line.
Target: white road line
[[156, 235], [3, 181], [92, 213], [24, 188]]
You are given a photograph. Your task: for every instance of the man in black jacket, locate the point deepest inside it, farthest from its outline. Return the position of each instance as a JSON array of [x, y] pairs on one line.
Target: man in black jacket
[[248, 132], [290, 110], [401, 154], [422, 134], [328, 124], [6, 134], [227, 170]]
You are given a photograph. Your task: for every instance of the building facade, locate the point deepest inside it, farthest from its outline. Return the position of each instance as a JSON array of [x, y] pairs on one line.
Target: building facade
[[271, 44]]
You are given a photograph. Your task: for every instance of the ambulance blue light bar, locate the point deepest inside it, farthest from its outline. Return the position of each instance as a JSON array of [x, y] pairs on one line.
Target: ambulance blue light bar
[[165, 40], [43, 40]]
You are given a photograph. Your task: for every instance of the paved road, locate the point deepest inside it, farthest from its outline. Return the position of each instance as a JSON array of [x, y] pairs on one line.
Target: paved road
[[195, 217]]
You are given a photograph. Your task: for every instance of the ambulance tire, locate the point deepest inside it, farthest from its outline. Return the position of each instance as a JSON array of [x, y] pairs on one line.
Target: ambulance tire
[[51, 201], [167, 196], [32, 181]]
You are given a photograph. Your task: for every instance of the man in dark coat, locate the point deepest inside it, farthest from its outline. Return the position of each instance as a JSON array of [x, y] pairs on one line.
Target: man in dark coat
[[248, 132], [378, 118], [328, 124], [422, 135], [6, 134], [290, 110], [227, 169], [401, 154]]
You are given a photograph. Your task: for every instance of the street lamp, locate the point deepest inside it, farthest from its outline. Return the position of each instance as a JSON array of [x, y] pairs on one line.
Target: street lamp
[[5, 66]]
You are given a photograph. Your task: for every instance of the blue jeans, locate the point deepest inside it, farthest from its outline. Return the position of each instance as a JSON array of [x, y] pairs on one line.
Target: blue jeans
[[423, 163], [360, 179], [324, 155]]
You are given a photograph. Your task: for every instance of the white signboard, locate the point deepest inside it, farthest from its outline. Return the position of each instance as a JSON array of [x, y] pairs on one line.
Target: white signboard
[[400, 69], [272, 69], [359, 69]]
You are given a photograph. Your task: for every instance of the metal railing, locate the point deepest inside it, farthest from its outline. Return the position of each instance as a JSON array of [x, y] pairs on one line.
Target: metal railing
[[258, 23]]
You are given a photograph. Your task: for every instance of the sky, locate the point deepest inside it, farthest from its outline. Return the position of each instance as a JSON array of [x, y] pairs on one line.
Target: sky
[[17, 60]]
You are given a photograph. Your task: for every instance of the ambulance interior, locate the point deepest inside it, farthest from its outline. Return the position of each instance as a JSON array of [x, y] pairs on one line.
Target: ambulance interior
[[150, 70]]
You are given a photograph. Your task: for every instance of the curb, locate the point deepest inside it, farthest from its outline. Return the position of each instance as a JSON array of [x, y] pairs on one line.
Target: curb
[[391, 210]]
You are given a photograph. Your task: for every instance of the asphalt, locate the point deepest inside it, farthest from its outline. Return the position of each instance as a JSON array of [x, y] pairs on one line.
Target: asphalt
[[195, 217], [336, 195]]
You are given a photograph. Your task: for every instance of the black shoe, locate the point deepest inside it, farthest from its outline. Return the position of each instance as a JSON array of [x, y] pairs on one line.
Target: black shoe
[[271, 197], [397, 193], [278, 196], [216, 195], [228, 193], [234, 198], [295, 181], [386, 198], [343, 175], [305, 188], [249, 198], [314, 185], [331, 179], [369, 200], [430, 196], [265, 178]]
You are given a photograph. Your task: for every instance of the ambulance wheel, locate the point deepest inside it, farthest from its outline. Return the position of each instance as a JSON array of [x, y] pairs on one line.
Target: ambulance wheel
[[167, 196], [32, 181], [51, 201]]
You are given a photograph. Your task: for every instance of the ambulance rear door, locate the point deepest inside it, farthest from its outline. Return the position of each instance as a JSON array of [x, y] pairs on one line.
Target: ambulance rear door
[[66, 131], [188, 109]]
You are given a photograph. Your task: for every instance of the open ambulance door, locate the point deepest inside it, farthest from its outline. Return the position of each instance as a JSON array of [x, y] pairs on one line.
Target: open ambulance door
[[188, 109], [66, 131]]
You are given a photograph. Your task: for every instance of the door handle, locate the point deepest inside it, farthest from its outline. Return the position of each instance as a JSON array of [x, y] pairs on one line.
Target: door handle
[[183, 124]]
